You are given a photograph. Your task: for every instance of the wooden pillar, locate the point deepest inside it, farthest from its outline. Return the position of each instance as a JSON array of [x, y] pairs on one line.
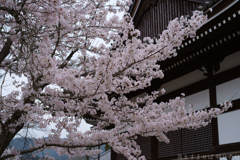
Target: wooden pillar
[[113, 155], [154, 148], [208, 71], [213, 102]]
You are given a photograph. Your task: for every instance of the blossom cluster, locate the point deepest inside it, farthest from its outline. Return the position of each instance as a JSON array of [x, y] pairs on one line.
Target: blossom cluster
[[13, 151], [71, 74]]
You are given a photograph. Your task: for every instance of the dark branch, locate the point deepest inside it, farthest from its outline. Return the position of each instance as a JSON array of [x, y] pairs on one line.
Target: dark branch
[[58, 40], [5, 50], [49, 145], [68, 59]]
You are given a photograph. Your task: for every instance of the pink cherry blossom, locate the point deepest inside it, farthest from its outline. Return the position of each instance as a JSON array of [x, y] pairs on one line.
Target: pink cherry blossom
[[63, 48]]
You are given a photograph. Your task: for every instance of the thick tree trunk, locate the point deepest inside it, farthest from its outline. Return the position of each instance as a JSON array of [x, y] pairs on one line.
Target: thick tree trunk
[[6, 135]]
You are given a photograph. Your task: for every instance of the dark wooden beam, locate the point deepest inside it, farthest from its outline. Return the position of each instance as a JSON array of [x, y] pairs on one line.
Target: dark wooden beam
[[236, 106], [232, 147], [198, 1], [218, 8], [227, 75], [188, 90]]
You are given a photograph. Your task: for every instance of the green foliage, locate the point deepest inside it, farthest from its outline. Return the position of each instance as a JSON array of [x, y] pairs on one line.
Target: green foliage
[[107, 147]]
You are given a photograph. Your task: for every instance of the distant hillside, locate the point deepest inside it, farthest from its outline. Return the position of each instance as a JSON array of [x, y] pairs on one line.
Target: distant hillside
[[24, 144]]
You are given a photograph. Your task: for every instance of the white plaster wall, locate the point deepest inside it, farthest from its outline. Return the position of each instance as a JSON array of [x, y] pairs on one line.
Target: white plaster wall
[[199, 100], [183, 81], [229, 62], [228, 91], [229, 127], [229, 123]]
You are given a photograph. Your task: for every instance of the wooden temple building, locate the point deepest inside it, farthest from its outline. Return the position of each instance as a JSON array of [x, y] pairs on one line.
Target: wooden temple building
[[207, 70]]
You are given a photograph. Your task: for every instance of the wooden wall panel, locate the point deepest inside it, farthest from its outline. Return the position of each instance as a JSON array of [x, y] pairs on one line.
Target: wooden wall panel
[[145, 145], [186, 141], [199, 140], [172, 148], [157, 16]]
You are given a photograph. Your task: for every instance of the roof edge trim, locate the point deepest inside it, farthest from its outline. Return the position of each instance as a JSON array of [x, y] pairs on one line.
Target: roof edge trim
[[226, 8]]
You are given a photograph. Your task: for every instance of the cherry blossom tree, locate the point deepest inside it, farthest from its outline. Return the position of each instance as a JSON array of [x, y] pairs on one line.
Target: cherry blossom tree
[[80, 63]]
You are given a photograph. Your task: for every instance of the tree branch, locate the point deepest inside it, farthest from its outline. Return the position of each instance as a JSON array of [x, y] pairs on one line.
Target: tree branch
[[5, 50], [49, 145], [68, 59]]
